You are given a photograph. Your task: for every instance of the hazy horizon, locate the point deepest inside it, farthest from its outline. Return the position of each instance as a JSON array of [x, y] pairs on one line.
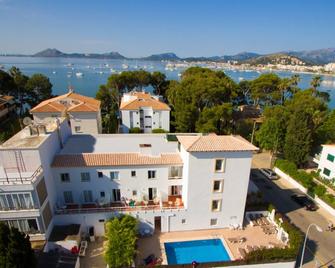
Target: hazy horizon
[[187, 28]]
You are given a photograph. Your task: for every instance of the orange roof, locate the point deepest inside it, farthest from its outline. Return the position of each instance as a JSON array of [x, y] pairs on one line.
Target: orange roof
[[214, 143], [143, 100], [78, 103], [114, 159], [6, 97]]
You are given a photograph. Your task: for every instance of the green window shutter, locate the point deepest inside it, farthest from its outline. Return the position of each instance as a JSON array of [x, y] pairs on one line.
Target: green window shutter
[[330, 157], [326, 171]]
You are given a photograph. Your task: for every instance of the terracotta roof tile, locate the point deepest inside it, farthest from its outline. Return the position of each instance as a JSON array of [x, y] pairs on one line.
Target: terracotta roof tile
[[84, 104], [214, 143], [114, 159], [143, 100]]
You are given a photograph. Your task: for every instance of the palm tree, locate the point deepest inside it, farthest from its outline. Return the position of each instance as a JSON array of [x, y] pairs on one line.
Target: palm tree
[[315, 83]]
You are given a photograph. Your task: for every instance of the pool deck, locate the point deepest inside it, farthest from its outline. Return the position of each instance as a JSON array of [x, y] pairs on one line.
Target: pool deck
[[254, 237]]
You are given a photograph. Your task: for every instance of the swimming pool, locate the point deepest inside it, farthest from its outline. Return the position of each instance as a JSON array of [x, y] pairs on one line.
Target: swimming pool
[[185, 252]]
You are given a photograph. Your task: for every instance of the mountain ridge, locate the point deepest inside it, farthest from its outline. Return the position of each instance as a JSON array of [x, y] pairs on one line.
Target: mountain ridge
[[317, 56]]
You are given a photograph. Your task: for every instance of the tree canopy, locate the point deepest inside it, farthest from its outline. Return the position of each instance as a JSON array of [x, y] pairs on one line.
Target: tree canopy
[[121, 235], [15, 249]]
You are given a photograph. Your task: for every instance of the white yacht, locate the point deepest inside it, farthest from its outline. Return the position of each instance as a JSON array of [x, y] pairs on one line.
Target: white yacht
[[79, 74], [125, 66]]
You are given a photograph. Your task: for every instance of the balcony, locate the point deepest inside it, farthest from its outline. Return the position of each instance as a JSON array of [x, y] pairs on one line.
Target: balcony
[[10, 176], [172, 203]]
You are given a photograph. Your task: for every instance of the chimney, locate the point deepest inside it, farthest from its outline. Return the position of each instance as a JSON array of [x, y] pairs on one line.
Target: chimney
[[145, 149]]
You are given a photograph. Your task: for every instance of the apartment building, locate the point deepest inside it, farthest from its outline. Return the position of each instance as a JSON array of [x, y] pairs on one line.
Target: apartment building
[[326, 162], [145, 111], [26, 187], [84, 112], [168, 182]]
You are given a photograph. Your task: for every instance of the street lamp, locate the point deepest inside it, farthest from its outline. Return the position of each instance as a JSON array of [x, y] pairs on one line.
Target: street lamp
[[318, 228]]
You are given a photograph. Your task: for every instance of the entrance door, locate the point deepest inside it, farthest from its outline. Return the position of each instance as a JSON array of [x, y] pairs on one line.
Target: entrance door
[[158, 223], [116, 195], [152, 193]]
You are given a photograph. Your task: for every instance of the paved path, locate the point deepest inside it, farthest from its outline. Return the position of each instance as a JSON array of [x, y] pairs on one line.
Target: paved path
[[321, 246]]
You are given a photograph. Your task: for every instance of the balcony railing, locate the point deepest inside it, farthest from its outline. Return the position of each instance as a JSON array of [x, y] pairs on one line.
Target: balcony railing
[[20, 177], [18, 209], [118, 207]]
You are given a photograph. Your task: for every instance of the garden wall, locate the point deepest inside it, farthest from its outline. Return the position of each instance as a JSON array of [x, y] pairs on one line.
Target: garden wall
[[320, 202]]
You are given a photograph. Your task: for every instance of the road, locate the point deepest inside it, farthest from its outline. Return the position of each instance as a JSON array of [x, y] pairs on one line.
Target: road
[[320, 250]]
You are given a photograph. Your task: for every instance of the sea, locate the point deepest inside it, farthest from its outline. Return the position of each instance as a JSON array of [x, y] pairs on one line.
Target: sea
[[86, 75]]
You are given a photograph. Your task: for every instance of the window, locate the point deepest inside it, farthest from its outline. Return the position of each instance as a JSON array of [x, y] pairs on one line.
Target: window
[[219, 165], [175, 190], [68, 198], [65, 177], [133, 173], [326, 171], [183, 221], [218, 186], [100, 174], [85, 176], [151, 174], [214, 222], [102, 194], [88, 198], [330, 157], [16, 201], [77, 129], [134, 192], [216, 205], [147, 116], [147, 126], [114, 175], [101, 220], [175, 172]]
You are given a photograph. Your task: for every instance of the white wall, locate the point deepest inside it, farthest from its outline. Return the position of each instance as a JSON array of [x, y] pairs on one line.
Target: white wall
[[325, 163], [126, 183], [199, 175], [88, 122]]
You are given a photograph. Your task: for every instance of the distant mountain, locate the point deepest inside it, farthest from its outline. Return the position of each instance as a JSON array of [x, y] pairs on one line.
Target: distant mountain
[[164, 56], [238, 57], [278, 58], [52, 52], [49, 52], [319, 56]]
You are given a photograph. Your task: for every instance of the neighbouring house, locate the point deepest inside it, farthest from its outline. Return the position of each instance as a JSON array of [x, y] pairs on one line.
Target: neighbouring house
[[84, 112], [7, 106], [326, 161], [49, 177], [145, 111]]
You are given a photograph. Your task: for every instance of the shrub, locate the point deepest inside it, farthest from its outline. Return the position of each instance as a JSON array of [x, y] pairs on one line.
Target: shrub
[[135, 130], [159, 130], [121, 234], [320, 190]]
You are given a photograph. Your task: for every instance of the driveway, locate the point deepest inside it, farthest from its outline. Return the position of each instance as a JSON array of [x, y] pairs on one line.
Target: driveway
[[320, 250]]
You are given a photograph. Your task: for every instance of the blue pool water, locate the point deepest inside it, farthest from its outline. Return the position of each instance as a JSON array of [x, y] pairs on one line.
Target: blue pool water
[[211, 250]]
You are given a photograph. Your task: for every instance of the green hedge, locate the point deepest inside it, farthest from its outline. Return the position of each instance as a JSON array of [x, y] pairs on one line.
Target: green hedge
[[306, 180], [135, 130], [159, 130]]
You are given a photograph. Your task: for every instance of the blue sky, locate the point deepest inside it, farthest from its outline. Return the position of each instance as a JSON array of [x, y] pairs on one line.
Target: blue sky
[[186, 27]]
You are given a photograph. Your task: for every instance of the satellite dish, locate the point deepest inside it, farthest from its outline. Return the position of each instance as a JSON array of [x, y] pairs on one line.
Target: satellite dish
[[27, 121]]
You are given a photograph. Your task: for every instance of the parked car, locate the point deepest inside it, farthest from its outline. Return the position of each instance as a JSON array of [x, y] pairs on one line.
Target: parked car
[[304, 201], [269, 173]]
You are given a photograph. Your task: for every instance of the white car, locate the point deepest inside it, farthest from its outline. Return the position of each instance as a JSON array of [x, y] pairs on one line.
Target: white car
[[269, 173]]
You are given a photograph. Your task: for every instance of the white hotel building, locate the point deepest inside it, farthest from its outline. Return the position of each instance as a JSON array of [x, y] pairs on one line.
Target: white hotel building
[[145, 111], [169, 182]]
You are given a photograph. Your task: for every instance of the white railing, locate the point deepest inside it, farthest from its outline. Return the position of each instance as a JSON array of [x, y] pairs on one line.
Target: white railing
[[20, 177]]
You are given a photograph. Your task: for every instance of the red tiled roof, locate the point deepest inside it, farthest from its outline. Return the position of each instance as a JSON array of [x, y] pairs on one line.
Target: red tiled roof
[[214, 143], [114, 159], [143, 100], [80, 104]]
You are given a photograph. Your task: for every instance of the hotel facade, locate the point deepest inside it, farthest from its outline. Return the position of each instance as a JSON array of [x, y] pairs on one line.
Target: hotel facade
[[169, 182]]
